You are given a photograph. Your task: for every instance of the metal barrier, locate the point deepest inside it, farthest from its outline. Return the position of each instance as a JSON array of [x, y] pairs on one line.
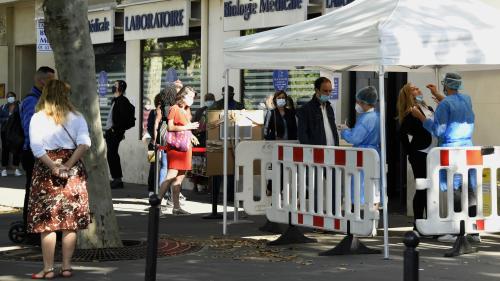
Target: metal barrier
[[458, 173], [320, 187]]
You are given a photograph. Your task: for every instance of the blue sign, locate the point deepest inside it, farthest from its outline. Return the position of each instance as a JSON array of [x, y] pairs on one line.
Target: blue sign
[[103, 83], [280, 80], [335, 89], [171, 75]]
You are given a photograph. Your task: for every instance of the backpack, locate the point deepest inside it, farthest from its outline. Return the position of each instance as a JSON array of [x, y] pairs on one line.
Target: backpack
[[14, 133], [151, 122], [129, 115]]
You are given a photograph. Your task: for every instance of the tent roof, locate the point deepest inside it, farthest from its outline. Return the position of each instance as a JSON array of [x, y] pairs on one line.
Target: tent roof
[[366, 33]]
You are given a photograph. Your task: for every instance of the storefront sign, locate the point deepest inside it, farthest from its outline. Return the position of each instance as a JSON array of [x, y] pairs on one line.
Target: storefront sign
[[280, 80], [101, 26], [336, 80], [249, 14], [103, 83], [157, 20], [331, 5], [42, 43]]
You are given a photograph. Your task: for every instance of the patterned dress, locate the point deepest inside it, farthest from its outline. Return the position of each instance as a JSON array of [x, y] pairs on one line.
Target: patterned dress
[[56, 203], [179, 160]]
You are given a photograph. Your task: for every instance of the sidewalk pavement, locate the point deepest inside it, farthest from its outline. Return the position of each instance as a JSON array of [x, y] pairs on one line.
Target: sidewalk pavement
[[227, 258]]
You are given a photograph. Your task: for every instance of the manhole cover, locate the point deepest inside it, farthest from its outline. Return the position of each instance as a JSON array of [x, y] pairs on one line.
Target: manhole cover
[[131, 250]]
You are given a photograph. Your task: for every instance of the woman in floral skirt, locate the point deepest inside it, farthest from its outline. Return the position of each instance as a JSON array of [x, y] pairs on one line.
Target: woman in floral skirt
[[58, 200]]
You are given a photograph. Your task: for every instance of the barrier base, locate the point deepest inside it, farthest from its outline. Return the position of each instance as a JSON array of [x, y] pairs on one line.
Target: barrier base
[[292, 235], [350, 245], [461, 246], [271, 227]]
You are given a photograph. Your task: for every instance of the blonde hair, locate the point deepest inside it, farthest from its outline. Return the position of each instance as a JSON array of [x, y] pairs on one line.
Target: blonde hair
[[55, 101], [405, 101]]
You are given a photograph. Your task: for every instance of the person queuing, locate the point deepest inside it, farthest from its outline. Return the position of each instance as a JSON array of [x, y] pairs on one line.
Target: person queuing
[[200, 116], [11, 134], [58, 199], [232, 104], [453, 125], [416, 140], [280, 122], [366, 132], [179, 162]]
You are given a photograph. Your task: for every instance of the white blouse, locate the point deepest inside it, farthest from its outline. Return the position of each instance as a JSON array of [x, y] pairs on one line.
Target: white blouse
[[46, 135]]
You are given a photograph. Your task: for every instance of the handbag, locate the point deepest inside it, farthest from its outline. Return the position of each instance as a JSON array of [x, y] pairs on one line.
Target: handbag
[[163, 133], [179, 140]]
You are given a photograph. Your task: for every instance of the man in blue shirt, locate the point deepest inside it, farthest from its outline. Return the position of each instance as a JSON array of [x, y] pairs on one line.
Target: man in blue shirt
[[27, 109]]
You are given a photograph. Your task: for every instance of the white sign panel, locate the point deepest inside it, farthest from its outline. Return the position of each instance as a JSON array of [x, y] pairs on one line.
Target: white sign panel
[[42, 43], [249, 14], [331, 5], [157, 20], [101, 26]]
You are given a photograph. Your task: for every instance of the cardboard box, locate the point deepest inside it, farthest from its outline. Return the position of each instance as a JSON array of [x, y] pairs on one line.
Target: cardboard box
[[251, 128]]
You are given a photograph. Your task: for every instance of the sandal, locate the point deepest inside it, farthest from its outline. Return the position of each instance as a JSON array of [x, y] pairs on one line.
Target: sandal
[[44, 276], [66, 273]]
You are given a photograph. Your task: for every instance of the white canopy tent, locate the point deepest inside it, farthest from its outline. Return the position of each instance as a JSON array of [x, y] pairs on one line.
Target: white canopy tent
[[382, 35]]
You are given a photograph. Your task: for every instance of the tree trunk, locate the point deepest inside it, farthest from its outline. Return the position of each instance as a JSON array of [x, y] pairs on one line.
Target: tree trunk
[[67, 30]]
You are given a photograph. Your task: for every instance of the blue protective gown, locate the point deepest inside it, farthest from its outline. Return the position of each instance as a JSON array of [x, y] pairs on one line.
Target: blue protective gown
[[453, 125], [366, 133]]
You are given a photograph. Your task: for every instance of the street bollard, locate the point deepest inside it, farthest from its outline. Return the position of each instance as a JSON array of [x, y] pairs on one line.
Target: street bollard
[[410, 272], [153, 226], [215, 198]]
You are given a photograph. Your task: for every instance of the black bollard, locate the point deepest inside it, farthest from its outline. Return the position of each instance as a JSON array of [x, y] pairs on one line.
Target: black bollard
[[215, 197], [152, 250], [410, 272]]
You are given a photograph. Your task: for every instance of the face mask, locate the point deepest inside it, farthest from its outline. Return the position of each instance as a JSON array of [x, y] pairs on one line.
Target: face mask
[[188, 101], [209, 103], [358, 108], [113, 89], [323, 98], [419, 99], [280, 102], [11, 99]]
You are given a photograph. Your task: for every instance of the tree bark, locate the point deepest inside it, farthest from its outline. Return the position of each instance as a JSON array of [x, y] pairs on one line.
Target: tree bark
[[67, 30]]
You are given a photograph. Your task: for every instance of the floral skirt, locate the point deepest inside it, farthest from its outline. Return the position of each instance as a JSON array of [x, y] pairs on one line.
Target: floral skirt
[[56, 203]]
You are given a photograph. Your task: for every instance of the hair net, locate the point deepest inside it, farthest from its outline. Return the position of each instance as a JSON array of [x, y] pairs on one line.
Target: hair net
[[452, 81], [367, 95]]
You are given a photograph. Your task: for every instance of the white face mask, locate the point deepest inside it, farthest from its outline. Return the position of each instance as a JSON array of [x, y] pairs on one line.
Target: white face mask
[[358, 108], [11, 99], [209, 103], [188, 101], [280, 102]]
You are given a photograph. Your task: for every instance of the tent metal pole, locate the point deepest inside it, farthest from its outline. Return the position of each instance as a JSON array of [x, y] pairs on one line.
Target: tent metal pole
[[437, 73], [226, 91], [381, 81]]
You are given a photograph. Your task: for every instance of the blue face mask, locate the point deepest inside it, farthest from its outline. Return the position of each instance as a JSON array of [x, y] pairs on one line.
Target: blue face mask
[[209, 103], [280, 102], [419, 98], [323, 98]]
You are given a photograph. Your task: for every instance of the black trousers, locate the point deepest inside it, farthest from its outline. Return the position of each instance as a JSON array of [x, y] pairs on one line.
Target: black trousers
[[28, 161], [16, 155], [418, 162], [113, 139]]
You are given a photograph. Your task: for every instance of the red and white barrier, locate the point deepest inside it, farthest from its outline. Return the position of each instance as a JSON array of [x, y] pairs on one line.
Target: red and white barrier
[[303, 188], [460, 161]]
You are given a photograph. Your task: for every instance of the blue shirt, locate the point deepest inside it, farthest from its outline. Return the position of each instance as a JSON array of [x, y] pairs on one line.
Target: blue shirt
[[26, 110], [366, 133], [453, 122]]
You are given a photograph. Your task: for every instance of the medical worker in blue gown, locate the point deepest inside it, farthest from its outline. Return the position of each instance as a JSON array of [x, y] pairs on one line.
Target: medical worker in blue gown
[[453, 125], [366, 132]]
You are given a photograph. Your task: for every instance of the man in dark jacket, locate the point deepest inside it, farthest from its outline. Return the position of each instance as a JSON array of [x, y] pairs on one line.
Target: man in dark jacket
[[316, 124], [27, 108], [231, 103], [115, 131]]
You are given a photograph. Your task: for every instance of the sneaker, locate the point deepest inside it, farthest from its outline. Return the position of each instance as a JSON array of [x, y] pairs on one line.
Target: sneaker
[[179, 211], [163, 210], [151, 193], [4, 173], [447, 238], [475, 238], [17, 173], [182, 197]]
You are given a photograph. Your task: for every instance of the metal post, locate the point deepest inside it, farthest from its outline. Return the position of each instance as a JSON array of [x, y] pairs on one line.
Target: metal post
[[153, 226], [410, 270], [226, 93], [383, 176], [235, 183]]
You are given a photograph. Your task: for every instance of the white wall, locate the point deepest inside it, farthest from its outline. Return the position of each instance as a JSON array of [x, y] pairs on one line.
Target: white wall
[[215, 52], [24, 24]]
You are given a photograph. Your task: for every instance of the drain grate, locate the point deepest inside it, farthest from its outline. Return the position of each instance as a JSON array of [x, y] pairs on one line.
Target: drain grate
[[131, 250]]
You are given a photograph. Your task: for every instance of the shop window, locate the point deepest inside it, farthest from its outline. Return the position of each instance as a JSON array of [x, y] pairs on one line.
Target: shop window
[[159, 55], [111, 59]]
